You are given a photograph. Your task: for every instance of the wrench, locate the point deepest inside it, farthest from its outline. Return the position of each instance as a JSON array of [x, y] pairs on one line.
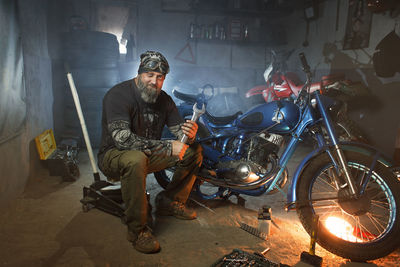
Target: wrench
[[196, 114]]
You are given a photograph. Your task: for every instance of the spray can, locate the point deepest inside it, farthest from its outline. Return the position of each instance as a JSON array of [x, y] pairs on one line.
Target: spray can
[[222, 33], [203, 34], [216, 31], [264, 219], [191, 35], [246, 32], [210, 31]]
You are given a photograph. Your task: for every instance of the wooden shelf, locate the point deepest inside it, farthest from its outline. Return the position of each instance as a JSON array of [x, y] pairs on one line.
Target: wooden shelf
[[254, 19], [245, 8], [229, 42], [272, 13]]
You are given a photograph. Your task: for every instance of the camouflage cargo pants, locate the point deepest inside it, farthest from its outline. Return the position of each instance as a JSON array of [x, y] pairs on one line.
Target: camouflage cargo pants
[[132, 167]]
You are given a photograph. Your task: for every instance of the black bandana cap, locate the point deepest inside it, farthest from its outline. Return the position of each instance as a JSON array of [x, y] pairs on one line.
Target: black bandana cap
[[153, 61]]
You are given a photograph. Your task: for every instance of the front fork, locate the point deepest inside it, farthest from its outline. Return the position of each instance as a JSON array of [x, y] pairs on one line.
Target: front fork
[[339, 152]]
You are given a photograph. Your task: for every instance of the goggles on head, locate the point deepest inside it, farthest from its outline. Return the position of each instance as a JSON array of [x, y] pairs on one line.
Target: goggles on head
[[154, 65]]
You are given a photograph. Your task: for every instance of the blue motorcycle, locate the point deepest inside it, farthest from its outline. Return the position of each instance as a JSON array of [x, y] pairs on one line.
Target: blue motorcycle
[[341, 183]]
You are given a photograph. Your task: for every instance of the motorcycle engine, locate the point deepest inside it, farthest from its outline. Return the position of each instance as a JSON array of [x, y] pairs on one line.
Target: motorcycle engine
[[263, 146], [261, 159]]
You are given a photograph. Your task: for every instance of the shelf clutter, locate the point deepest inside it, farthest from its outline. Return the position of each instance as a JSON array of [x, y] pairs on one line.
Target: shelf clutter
[[236, 30], [233, 21]]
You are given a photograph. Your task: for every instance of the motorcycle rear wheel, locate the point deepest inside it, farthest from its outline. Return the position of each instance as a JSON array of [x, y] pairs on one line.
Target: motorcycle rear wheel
[[373, 220]]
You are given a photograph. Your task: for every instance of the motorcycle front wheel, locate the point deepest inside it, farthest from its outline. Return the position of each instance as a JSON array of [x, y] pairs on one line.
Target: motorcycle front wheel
[[360, 229]]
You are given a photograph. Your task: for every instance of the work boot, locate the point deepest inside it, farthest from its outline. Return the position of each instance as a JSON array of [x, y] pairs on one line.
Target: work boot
[[168, 207], [144, 241]]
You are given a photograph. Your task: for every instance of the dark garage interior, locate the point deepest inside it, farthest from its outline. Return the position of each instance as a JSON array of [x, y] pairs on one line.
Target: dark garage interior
[[223, 45]]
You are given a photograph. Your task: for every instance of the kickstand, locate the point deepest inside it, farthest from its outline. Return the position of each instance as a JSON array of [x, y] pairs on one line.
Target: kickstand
[[240, 200]]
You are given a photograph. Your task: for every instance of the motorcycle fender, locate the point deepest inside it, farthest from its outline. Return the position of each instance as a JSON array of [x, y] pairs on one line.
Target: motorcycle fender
[[346, 146], [258, 90]]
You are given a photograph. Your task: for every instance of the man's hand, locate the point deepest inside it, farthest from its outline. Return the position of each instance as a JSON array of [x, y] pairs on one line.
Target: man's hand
[[190, 129], [179, 149]]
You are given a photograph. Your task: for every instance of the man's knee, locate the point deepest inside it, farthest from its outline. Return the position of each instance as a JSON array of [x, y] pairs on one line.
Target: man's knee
[[194, 153], [133, 159]]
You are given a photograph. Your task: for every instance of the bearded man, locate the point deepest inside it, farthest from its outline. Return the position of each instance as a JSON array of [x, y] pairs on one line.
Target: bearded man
[[134, 115]]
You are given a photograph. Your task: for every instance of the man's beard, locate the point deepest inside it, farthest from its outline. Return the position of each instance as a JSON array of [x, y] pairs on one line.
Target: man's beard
[[149, 93]]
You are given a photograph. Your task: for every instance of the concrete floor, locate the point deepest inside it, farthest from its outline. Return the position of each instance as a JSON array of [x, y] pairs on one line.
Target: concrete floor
[[47, 227]]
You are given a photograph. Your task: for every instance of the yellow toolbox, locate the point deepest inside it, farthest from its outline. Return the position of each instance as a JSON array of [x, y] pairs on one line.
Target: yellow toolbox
[[45, 144], [62, 160]]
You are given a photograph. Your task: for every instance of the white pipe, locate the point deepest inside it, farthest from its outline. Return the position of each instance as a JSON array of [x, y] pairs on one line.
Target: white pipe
[[82, 121]]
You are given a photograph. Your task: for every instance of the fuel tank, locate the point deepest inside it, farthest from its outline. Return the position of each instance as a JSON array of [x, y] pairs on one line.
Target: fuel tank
[[266, 115]]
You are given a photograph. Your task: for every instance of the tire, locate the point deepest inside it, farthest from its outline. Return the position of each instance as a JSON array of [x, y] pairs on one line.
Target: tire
[[92, 85], [95, 78], [90, 39], [93, 60], [90, 48], [383, 188], [91, 57]]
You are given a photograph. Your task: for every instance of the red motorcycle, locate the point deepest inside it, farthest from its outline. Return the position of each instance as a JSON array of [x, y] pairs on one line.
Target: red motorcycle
[[285, 85]]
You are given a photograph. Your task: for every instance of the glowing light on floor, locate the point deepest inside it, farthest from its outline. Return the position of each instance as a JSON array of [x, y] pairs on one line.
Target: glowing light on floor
[[341, 228]]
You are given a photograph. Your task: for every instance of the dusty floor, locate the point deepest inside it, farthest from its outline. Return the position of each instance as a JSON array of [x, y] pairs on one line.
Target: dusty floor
[[47, 227]]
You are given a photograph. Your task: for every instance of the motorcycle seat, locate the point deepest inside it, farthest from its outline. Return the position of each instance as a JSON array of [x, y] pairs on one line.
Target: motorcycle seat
[[331, 78], [185, 97], [222, 120], [314, 87]]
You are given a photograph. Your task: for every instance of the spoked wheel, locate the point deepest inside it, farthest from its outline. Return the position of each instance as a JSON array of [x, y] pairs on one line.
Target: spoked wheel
[[360, 229]]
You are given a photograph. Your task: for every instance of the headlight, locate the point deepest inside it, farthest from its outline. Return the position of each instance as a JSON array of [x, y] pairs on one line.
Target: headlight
[[313, 102]]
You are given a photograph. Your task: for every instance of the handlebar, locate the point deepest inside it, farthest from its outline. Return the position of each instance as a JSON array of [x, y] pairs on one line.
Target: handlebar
[[191, 99], [306, 68]]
